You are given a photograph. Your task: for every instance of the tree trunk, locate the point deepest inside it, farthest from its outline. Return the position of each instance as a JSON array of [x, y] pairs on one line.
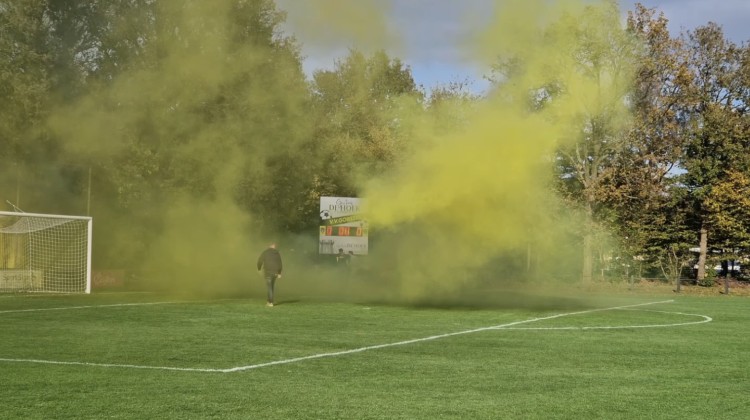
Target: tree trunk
[[702, 256], [588, 260], [677, 271], [587, 273]]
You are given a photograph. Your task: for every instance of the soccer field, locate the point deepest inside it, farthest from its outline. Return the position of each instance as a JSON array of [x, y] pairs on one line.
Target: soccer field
[[130, 356]]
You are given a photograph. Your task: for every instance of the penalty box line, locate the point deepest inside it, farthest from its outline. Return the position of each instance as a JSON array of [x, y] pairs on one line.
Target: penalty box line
[[330, 354]]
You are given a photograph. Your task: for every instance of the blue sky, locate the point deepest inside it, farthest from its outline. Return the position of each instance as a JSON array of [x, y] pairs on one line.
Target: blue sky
[[427, 35]]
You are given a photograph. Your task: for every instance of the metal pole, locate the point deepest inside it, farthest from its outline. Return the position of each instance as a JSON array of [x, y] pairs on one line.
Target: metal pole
[[18, 184], [88, 198]]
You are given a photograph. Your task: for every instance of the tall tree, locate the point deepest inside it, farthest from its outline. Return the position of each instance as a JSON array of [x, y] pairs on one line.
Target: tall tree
[[50, 50], [714, 108], [360, 107], [31, 80], [667, 236], [603, 54], [24, 78], [728, 213], [451, 104], [579, 75], [203, 102], [643, 178]]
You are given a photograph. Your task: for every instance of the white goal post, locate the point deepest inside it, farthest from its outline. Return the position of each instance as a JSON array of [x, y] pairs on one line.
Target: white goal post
[[45, 253]]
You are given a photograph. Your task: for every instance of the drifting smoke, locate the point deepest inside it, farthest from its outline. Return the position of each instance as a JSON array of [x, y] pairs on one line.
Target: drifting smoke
[[477, 206], [206, 108], [469, 207]]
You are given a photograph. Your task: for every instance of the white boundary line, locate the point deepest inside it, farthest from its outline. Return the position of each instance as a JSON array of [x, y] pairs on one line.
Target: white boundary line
[[622, 327], [430, 338], [65, 308], [113, 305], [357, 350], [109, 365]]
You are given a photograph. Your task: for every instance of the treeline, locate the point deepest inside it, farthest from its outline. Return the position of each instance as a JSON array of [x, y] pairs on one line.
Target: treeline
[[132, 109]]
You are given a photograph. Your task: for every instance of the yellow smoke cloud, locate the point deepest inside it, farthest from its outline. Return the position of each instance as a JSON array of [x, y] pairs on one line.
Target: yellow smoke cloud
[[465, 204], [205, 107], [484, 195]]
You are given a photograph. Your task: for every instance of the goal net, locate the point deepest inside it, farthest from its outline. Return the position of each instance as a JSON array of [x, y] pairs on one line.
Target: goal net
[[45, 253]]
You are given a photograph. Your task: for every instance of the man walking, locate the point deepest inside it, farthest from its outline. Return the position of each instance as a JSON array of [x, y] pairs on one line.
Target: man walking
[[270, 261]]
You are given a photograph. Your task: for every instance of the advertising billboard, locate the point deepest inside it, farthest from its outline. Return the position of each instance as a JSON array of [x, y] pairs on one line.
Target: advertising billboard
[[342, 226]]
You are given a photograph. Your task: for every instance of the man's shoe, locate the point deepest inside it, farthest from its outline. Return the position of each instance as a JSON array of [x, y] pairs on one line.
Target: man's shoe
[[269, 304]]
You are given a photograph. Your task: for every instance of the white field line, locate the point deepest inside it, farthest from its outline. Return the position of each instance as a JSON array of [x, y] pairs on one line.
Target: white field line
[[65, 308], [32, 295], [97, 293], [114, 305], [344, 352], [17, 296], [430, 338], [622, 327], [108, 365]]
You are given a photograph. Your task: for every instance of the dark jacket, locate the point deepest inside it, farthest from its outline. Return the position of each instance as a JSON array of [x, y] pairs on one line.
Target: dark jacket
[[270, 261]]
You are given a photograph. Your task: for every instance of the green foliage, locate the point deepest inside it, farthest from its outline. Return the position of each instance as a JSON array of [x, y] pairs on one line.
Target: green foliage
[[666, 237], [173, 101], [728, 208], [359, 107], [25, 80], [451, 105], [712, 101], [709, 280], [593, 65]]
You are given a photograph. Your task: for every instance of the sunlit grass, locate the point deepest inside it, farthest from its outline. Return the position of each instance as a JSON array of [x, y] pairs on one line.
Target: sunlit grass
[[429, 362]]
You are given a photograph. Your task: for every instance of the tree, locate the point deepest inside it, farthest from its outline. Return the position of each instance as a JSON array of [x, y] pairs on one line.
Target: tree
[[638, 186], [24, 85], [579, 79], [728, 213], [53, 48], [361, 107], [191, 102], [41, 45], [602, 54], [669, 237], [451, 105], [713, 108]]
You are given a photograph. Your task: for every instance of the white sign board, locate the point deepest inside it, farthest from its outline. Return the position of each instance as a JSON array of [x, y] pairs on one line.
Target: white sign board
[[342, 226]]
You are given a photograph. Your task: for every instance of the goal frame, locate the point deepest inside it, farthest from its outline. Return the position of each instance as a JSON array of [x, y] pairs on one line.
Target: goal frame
[[89, 225]]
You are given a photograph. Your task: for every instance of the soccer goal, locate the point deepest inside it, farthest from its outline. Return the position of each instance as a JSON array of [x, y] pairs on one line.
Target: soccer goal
[[45, 253]]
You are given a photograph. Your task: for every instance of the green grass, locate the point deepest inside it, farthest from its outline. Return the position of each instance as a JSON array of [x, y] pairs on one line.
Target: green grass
[[696, 371]]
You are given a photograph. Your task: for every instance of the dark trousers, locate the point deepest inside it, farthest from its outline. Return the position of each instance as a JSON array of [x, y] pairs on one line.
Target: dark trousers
[[270, 285]]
